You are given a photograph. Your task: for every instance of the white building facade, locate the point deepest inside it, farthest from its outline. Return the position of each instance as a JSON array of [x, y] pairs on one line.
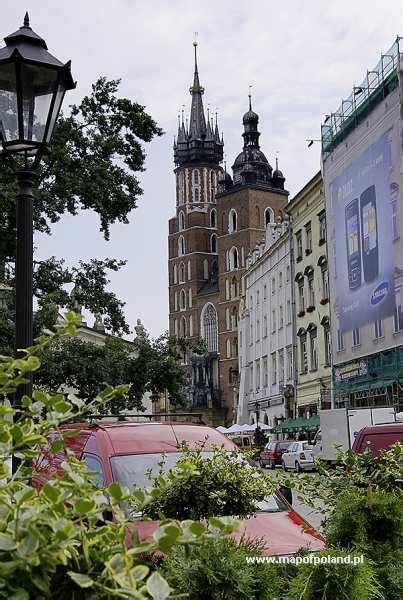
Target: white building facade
[[266, 345]]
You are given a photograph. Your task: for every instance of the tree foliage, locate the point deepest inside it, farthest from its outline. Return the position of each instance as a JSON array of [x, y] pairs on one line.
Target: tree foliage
[[223, 484], [96, 151], [145, 365], [56, 541]]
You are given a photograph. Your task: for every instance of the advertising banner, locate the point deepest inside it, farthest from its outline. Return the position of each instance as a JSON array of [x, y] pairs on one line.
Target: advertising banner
[[361, 214]]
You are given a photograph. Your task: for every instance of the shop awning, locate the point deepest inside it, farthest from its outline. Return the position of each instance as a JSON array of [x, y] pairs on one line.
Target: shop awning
[[295, 425]]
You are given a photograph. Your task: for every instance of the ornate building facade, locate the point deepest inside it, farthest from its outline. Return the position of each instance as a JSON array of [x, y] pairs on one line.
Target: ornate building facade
[[218, 221]]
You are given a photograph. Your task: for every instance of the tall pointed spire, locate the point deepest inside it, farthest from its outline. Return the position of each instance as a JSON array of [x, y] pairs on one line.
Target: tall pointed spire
[[199, 141], [197, 129]]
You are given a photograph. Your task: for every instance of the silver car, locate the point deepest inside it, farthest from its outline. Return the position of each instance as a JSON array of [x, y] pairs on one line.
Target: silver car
[[299, 457]]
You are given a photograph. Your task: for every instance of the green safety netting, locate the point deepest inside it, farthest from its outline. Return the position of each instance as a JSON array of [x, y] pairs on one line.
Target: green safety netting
[[300, 424]]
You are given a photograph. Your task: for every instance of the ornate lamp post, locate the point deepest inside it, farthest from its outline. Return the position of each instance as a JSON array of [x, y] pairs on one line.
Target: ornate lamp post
[[32, 88]]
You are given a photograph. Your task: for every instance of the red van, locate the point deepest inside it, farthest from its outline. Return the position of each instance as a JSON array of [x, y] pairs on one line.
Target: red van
[[124, 451], [378, 437]]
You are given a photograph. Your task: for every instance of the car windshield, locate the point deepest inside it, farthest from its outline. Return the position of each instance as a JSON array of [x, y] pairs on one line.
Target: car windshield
[[131, 470]]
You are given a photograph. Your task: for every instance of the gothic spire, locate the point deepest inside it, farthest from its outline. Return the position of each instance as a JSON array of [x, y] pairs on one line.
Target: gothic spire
[[197, 129]]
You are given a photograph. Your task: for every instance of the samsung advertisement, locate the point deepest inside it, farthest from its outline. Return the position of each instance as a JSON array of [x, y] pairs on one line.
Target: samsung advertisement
[[363, 193], [363, 241]]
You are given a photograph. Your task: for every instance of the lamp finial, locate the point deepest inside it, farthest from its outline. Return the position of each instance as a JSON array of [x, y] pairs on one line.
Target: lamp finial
[[26, 20]]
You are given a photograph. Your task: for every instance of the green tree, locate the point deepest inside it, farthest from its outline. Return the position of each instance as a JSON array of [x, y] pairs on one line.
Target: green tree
[[145, 365], [96, 152]]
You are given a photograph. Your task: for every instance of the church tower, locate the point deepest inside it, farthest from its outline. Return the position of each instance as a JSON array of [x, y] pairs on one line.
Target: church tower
[[193, 249], [246, 204]]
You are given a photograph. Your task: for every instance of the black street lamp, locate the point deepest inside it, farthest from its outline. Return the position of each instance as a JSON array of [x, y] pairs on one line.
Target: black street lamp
[[32, 88]]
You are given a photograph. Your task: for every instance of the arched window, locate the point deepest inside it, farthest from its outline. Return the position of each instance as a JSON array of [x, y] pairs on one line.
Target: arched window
[[205, 268], [209, 327], [268, 216], [213, 243], [232, 225], [181, 188], [175, 274], [183, 327], [234, 318], [176, 300], [190, 298], [189, 271], [228, 348], [213, 218], [181, 246], [227, 319], [196, 185], [190, 326], [234, 288], [234, 352], [182, 273], [181, 221], [233, 259], [213, 184], [182, 300]]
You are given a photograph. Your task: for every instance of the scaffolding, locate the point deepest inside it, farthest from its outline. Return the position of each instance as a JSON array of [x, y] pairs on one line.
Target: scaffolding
[[378, 83]]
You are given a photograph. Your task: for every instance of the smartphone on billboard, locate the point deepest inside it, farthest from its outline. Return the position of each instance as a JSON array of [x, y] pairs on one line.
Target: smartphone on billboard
[[369, 234], [353, 245]]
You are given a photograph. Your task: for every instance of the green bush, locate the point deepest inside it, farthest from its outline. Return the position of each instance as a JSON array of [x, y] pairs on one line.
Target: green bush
[[367, 520], [55, 542], [335, 581], [218, 570], [222, 485]]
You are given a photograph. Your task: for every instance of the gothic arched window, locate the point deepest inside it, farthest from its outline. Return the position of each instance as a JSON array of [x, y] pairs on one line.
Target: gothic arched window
[[181, 221], [213, 243], [182, 300], [181, 246], [232, 225], [213, 184], [196, 185], [233, 259], [183, 327], [209, 327], [213, 218], [182, 273], [268, 216]]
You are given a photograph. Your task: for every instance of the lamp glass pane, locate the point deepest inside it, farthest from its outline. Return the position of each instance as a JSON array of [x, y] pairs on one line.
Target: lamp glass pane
[[38, 87], [8, 103], [61, 90]]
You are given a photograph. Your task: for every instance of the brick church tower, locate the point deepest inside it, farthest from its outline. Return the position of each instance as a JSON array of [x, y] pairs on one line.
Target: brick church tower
[[218, 221], [193, 250]]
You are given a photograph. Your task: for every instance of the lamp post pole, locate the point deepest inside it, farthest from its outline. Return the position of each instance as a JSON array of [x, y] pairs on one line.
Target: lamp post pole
[[24, 272]]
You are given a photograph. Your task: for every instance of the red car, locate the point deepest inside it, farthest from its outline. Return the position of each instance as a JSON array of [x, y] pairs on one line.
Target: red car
[[378, 437], [123, 451], [272, 453]]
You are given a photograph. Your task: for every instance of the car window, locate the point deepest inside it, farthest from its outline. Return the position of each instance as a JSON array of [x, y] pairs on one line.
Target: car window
[[306, 446], [291, 448], [94, 464], [283, 445]]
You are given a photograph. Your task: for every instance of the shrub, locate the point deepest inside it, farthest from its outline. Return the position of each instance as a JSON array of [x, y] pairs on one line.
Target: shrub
[[218, 570], [335, 581], [55, 542], [198, 487]]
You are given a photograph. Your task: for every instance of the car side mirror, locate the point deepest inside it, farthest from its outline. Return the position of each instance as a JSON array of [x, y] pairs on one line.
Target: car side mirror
[[287, 493]]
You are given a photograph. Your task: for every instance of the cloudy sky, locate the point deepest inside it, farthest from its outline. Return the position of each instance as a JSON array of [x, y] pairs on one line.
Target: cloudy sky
[[301, 56]]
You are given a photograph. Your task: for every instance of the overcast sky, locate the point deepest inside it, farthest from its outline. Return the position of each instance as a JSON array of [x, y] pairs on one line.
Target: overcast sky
[[301, 56]]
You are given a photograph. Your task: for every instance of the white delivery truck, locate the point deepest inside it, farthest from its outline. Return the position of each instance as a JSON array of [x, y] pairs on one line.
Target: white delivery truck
[[340, 426]]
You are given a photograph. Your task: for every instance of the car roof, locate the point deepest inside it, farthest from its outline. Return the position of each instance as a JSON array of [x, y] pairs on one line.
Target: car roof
[[383, 428], [141, 438]]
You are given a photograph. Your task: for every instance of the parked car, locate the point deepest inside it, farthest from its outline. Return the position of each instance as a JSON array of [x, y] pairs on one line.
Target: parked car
[[272, 453], [124, 451], [298, 456], [378, 437]]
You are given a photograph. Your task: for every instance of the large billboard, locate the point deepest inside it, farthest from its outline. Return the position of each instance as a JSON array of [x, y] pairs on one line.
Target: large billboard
[[361, 216], [361, 168]]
